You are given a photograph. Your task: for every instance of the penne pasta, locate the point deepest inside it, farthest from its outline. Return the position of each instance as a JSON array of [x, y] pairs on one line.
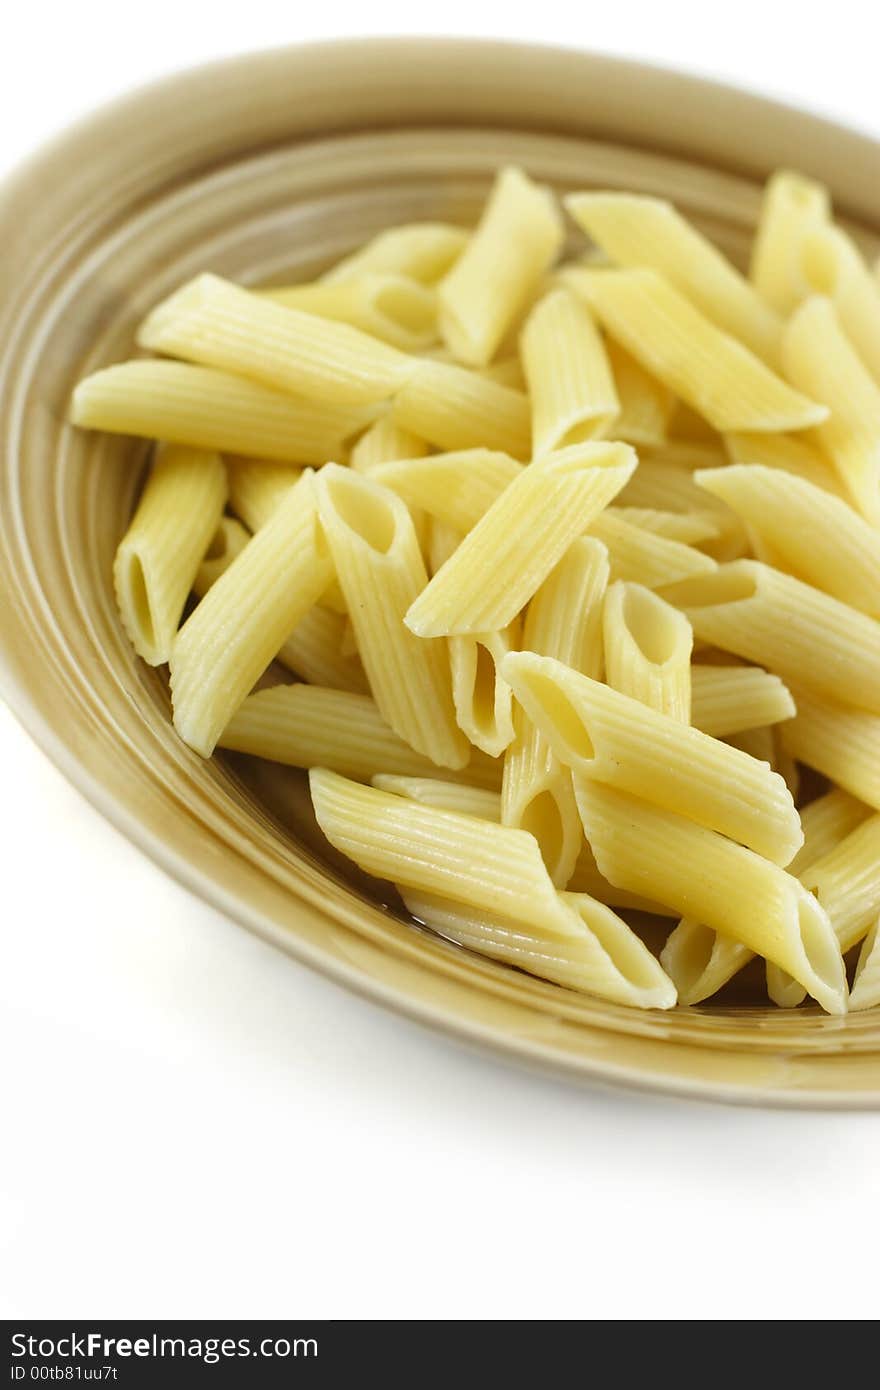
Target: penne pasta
[[482, 698], [781, 623], [158, 558], [791, 454], [791, 207], [688, 528], [456, 488], [846, 881], [380, 569], [311, 726], [457, 409], [730, 699], [645, 404], [866, 985], [643, 557], [214, 323], [384, 442], [568, 375], [714, 373], [315, 652], [422, 251], [245, 617], [228, 541], [392, 308], [819, 358], [833, 738], [256, 488], [443, 796], [517, 240], [587, 879], [648, 650], [650, 232], [832, 265], [608, 737], [704, 876]]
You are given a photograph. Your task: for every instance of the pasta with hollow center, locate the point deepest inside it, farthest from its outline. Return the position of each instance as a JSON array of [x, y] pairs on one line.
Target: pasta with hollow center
[[560, 580]]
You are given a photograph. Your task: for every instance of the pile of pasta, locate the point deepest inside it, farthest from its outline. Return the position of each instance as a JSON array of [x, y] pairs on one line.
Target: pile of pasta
[[575, 562]]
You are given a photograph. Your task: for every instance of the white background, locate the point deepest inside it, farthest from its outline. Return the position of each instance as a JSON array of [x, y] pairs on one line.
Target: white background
[[196, 1126]]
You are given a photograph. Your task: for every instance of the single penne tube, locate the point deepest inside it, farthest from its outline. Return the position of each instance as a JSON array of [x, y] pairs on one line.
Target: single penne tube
[[826, 822], [441, 852], [214, 323], [384, 442], [847, 882], [456, 488], [820, 537], [564, 619], [228, 541], [837, 740], [709, 878], [208, 409], [645, 404], [596, 952], [504, 560], [833, 265], [482, 698], [648, 646], [158, 558], [608, 737], [789, 453], [729, 699], [789, 627], [314, 651], [818, 357], [688, 528], [515, 243], [662, 486], [649, 232], [392, 308], [246, 616], [422, 251], [444, 796], [454, 408], [587, 879], [639, 556], [379, 565], [567, 372], [866, 985], [791, 206], [713, 372], [256, 488], [312, 726]]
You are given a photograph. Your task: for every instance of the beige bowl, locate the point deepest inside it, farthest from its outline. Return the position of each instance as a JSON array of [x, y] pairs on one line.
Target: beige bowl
[[276, 164]]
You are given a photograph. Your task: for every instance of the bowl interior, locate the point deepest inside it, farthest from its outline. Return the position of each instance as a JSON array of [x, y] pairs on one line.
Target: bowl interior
[[237, 830]]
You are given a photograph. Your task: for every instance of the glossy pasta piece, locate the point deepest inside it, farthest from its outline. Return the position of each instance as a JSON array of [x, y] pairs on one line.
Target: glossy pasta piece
[[215, 323], [454, 408], [708, 878], [713, 372], [422, 251], [648, 648], [637, 232], [789, 627], [443, 796], [646, 405], [608, 737], [866, 985], [159, 556], [789, 453], [380, 569], [392, 308], [245, 617], [518, 238], [819, 358], [504, 560], [587, 879], [256, 488], [643, 557], [384, 442], [792, 205], [729, 699], [594, 951], [227, 543], [688, 528], [847, 882], [481, 696], [313, 726], [568, 374], [832, 265], [838, 740], [456, 488], [209, 409]]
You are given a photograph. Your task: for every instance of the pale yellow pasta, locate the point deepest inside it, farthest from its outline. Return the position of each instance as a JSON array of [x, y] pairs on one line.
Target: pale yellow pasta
[[504, 560], [215, 323], [456, 488], [688, 528], [819, 537], [564, 619], [826, 822], [380, 569], [791, 454], [648, 648], [587, 879], [713, 372], [644, 557], [792, 206], [158, 558], [246, 616], [645, 404], [312, 726], [687, 427], [833, 738], [393, 308], [832, 264], [638, 231], [482, 698], [866, 985], [256, 488], [507, 371], [315, 651], [568, 374], [704, 876], [729, 699], [518, 238], [209, 409], [421, 251], [608, 737], [454, 408], [590, 949], [847, 882], [819, 358], [228, 541], [444, 796], [787, 626], [384, 442]]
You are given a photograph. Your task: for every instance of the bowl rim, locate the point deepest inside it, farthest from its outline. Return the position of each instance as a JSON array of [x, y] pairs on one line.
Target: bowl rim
[[17, 679]]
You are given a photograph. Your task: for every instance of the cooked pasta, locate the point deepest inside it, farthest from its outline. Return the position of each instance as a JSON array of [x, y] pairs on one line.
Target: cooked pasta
[[454, 408], [228, 541], [792, 206], [456, 488], [393, 308], [444, 796], [567, 372], [481, 696], [648, 648], [832, 264], [384, 442], [645, 404], [729, 699], [865, 992], [256, 488], [790, 453], [644, 557], [837, 740], [422, 251]]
